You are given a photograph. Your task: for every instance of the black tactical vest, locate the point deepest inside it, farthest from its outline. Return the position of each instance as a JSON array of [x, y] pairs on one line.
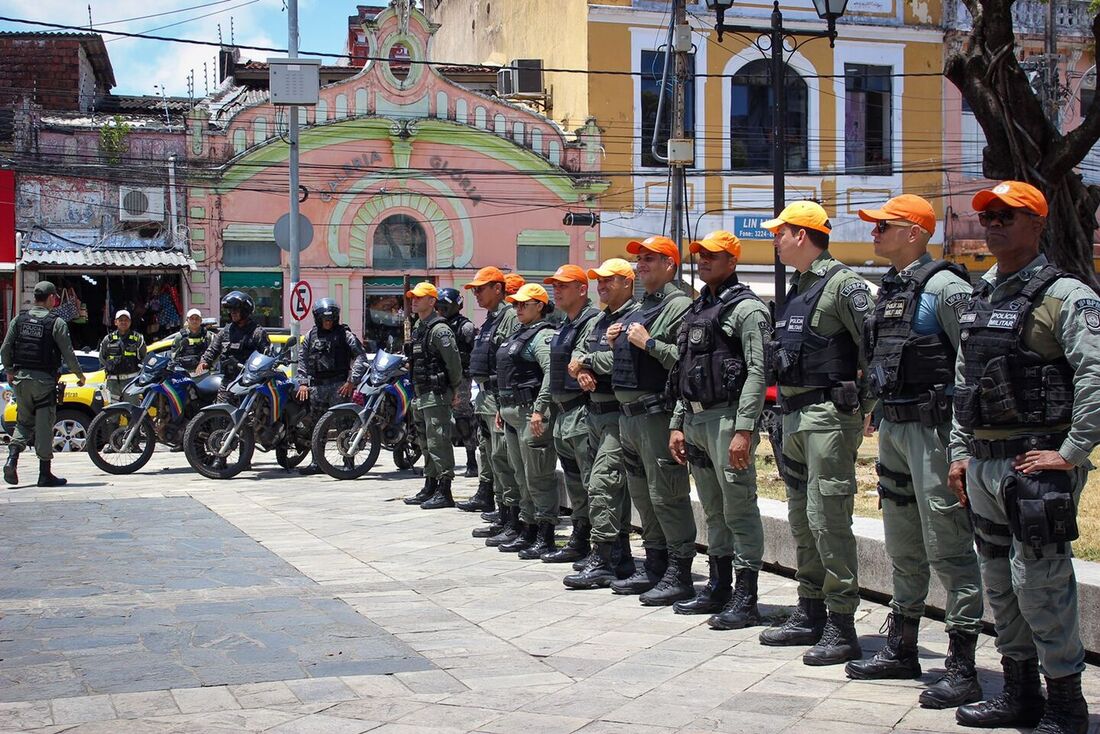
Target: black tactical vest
[[429, 371], [561, 352], [1005, 384], [636, 369], [804, 358], [241, 342], [329, 356], [597, 342], [463, 340], [35, 348], [122, 351], [190, 349], [513, 370], [902, 363], [483, 354], [712, 366]]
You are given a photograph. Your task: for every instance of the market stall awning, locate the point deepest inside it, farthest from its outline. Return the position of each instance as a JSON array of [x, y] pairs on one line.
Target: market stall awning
[[84, 249]]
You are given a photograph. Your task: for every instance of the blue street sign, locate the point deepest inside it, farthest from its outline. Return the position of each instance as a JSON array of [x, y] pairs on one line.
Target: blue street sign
[[748, 227]]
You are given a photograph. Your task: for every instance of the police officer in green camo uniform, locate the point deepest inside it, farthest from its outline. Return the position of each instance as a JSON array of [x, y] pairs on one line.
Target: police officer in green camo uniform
[[608, 499], [449, 306], [911, 342], [121, 352], [720, 385], [523, 394], [816, 357], [190, 342], [644, 346], [33, 349], [436, 370], [571, 422], [1027, 415], [500, 322]]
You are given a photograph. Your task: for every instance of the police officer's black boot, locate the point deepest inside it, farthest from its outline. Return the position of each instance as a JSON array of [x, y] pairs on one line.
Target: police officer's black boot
[[579, 565], [741, 611], [487, 531], [10, 474], [442, 497], [839, 642], [309, 469], [1021, 703], [897, 659], [959, 685], [803, 627], [493, 516], [46, 477], [544, 542], [482, 501], [424, 494], [624, 557], [526, 535], [716, 592], [509, 527], [675, 585], [599, 571], [471, 463], [646, 577], [1066, 711], [576, 548]]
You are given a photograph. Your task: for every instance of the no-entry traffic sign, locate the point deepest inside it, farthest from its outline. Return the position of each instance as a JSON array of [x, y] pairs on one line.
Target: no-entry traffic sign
[[301, 300]]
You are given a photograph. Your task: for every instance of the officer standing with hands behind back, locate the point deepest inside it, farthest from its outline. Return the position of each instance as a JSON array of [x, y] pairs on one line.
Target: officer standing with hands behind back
[[1027, 415], [36, 342], [121, 352], [190, 342]]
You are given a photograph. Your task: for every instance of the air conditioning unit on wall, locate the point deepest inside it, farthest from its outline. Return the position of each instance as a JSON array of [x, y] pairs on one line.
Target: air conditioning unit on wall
[[140, 204], [522, 77]]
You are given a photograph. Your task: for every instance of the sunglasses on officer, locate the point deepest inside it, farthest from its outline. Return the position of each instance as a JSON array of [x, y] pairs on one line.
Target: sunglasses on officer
[[1003, 216], [884, 225]]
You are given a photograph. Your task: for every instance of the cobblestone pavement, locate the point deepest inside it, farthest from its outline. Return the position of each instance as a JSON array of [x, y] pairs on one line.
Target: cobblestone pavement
[[164, 602]]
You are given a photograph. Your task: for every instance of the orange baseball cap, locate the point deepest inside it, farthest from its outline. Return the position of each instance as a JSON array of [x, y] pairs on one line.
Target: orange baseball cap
[[529, 292], [907, 208], [805, 214], [421, 289], [567, 274], [513, 282], [488, 274], [719, 241], [1014, 193], [659, 244], [612, 267]]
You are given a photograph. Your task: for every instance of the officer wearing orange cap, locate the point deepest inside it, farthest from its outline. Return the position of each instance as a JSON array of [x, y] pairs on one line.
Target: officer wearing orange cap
[[571, 422], [720, 385], [911, 342], [608, 500], [523, 393], [436, 369], [816, 357], [644, 347], [1027, 415], [512, 283], [500, 323]]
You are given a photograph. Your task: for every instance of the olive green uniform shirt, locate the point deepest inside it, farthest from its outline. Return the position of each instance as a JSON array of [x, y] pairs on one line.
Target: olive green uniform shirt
[[61, 338], [441, 340], [663, 331]]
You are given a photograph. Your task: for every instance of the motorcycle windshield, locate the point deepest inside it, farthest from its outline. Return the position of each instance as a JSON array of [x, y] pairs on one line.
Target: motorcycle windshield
[[256, 368], [153, 368], [384, 365]]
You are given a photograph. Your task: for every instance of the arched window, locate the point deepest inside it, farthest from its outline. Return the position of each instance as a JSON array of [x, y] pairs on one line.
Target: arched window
[[400, 244], [751, 119]]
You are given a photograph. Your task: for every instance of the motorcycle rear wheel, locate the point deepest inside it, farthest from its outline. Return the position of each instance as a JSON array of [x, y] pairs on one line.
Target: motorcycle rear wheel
[[107, 434], [202, 438], [331, 438]]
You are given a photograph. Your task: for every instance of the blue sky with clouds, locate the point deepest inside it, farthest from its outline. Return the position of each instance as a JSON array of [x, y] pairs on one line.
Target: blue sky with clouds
[[140, 64]]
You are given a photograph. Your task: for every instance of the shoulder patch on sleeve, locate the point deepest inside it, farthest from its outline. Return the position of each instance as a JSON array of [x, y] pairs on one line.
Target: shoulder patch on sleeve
[[1087, 303], [1089, 309], [854, 285]]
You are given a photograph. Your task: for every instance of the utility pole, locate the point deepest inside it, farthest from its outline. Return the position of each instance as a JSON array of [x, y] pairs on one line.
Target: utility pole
[[681, 47], [292, 110], [1050, 84]]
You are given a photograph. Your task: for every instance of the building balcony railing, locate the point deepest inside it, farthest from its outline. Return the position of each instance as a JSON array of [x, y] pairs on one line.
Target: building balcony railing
[[1072, 18]]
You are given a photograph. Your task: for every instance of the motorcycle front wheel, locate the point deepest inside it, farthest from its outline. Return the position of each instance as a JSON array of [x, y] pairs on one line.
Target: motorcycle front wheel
[[203, 439], [106, 437], [332, 439]]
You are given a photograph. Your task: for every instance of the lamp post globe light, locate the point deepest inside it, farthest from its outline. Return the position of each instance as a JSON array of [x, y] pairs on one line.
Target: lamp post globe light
[[774, 49]]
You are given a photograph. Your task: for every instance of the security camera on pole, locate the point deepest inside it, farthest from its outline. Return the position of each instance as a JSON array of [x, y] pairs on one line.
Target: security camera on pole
[[294, 82]]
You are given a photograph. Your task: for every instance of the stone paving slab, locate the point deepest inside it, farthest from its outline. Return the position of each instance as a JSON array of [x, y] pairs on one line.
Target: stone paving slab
[[510, 648]]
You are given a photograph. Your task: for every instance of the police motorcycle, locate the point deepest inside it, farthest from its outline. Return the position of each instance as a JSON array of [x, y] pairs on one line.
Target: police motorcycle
[[122, 437], [349, 437], [220, 441]]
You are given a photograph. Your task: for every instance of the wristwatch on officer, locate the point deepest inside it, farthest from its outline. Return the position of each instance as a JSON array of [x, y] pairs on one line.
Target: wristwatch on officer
[[650, 345]]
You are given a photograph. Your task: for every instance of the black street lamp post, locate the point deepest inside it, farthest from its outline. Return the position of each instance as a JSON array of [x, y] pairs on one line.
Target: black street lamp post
[[773, 47]]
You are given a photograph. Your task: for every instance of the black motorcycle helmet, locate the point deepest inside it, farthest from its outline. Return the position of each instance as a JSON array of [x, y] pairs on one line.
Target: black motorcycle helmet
[[238, 300], [449, 302], [326, 308]]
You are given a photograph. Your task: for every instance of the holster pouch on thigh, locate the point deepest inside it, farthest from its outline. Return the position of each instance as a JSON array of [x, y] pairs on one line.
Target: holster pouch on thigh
[[900, 480], [1040, 508], [569, 465], [632, 463], [697, 457], [793, 472]]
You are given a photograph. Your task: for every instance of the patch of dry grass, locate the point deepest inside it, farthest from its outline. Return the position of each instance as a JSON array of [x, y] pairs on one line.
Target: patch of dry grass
[[1088, 514]]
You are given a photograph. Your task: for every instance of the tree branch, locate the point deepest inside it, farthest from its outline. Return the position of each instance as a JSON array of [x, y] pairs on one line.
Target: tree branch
[[1079, 141]]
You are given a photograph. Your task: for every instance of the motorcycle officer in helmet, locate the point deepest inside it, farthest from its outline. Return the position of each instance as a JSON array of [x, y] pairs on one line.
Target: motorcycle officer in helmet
[[449, 306], [325, 364], [236, 341]]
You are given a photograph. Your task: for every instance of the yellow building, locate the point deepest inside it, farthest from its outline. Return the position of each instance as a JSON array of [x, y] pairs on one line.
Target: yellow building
[[864, 118]]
